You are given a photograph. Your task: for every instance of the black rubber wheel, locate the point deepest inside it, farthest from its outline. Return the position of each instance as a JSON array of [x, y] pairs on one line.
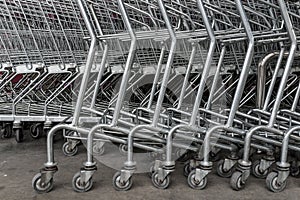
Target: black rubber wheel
[[81, 187], [257, 172], [187, 169], [19, 136], [68, 151], [295, 171], [196, 184], [7, 131], [151, 171], [272, 183], [36, 131], [41, 188], [224, 173], [160, 184], [236, 182], [121, 186]]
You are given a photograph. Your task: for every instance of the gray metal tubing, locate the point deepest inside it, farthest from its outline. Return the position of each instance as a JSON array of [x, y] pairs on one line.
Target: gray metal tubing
[[148, 136], [290, 112], [241, 141], [62, 29], [68, 79], [17, 32], [227, 138], [216, 77], [10, 78], [296, 99], [187, 75], [285, 145], [289, 62], [240, 86], [91, 137], [120, 121], [56, 93], [27, 89], [131, 135], [261, 76], [157, 74], [279, 95], [169, 161], [258, 119], [121, 141], [89, 63], [128, 65], [31, 32], [103, 61], [207, 65], [168, 68], [246, 65], [296, 122], [275, 142], [198, 140], [271, 87], [186, 147], [189, 88], [224, 35], [249, 136], [50, 152], [133, 80], [219, 115], [207, 143], [273, 82]]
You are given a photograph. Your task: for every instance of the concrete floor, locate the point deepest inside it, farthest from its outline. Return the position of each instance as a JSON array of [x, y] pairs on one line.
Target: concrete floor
[[20, 162]]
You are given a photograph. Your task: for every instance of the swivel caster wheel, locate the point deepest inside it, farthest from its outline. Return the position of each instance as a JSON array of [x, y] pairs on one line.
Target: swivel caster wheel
[[295, 171], [272, 183], [7, 131], [257, 172], [160, 184], [36, 131], [68, 151], [41, 187], [194, 183], [19, 136], [121, 185], [187, 169], [236, 181], [79, 186], [222, 172]]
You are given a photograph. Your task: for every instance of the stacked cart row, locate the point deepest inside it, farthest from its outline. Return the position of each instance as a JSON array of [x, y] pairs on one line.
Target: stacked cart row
[[213, 82]]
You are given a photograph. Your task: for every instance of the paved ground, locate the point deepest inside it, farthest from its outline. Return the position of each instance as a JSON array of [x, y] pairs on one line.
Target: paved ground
[[20, 162]]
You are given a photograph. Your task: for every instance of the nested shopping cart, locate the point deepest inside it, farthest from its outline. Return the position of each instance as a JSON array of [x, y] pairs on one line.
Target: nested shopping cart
[[42, 55], [202, 77]]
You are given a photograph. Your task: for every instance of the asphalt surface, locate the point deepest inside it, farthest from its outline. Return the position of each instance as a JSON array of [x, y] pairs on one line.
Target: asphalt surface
[[20, 162]]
